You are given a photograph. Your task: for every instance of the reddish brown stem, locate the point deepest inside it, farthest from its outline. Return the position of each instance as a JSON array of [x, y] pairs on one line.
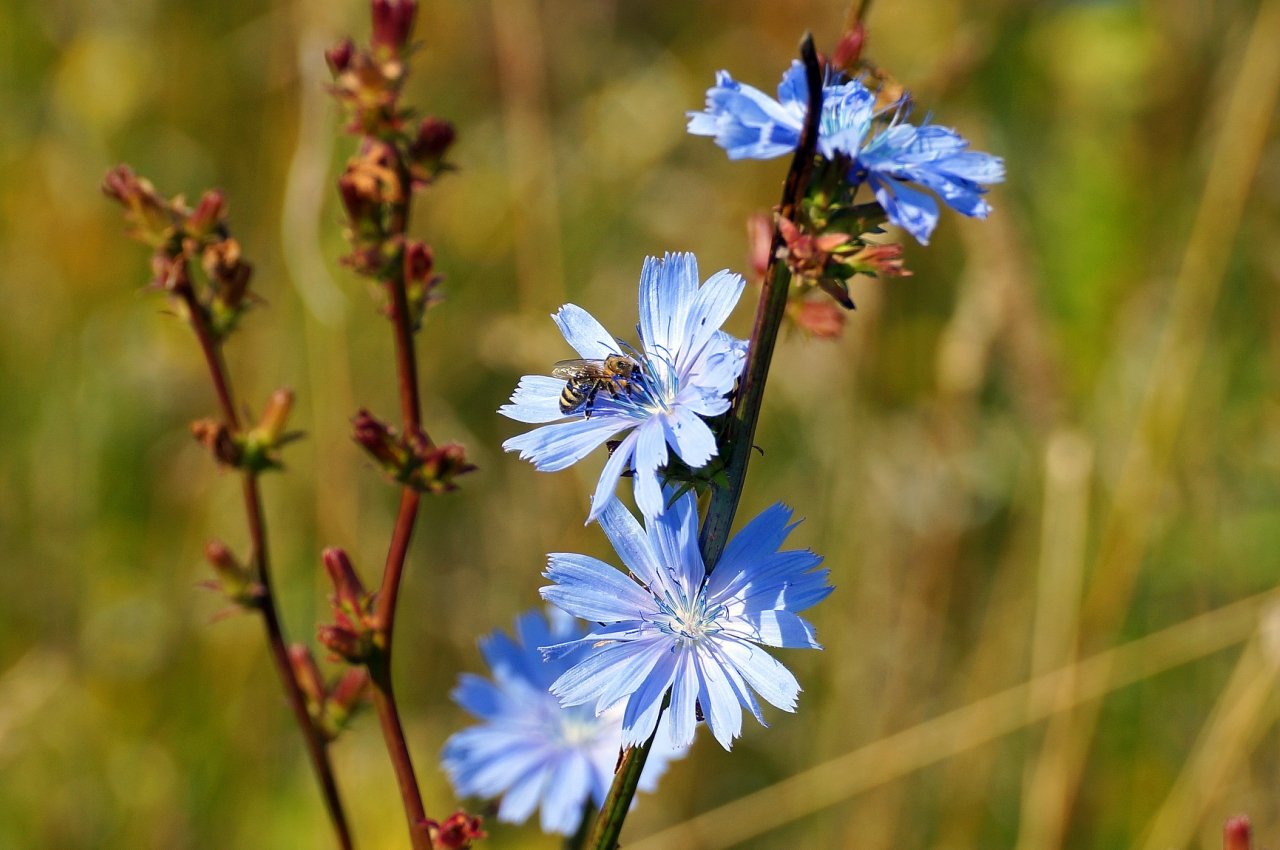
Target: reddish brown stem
[[384, 700], [398, 550], [317, 748]]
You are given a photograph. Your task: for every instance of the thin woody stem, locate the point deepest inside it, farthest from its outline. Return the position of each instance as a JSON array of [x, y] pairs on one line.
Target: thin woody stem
[[740, 429], [398, 550], [317, 747]]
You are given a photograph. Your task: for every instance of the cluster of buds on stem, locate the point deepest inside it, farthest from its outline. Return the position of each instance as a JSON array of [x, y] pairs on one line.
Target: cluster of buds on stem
[[353, 632], [398, 154], [331, 704], [826, 242], [180, 238], [411, 459], [257, 449]]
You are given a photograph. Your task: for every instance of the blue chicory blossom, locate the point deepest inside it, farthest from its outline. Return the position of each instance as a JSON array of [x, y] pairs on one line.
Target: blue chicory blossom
[[888, 154], [528, 749], [686, 368], [671, 626]]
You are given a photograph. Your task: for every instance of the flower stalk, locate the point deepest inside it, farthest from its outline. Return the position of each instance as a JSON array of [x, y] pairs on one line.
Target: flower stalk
[[263, 597], [740, 425]]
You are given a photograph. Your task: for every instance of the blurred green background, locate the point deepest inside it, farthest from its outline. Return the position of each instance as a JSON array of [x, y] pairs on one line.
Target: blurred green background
[[1061, 436]]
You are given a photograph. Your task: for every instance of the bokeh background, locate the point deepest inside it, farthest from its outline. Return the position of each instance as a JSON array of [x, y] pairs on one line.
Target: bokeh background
[[1044, 470]]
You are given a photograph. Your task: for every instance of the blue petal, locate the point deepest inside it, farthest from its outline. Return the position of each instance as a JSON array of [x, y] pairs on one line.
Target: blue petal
[[519, 800], [674, 538], [586, 680], [720, 705], [595, 591], [567, 790], [746, 122], [794, 88], [692, 438], [610, 474], [783, 629], [645, 705], [536, 400], [631, 543], [562, 444], [757, 539], [478, 696], [668, 287], [913, 211], [764, 673], [682, 716], [650, 454], [708, 309], [587, 336]]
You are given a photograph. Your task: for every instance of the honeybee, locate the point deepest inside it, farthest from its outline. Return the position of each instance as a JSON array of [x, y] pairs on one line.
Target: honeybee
[[586, 378]]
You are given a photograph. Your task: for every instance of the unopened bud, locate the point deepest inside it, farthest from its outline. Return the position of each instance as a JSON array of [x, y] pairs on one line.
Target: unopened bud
[[343, 642], [378, 440], [307, 675], [821, 319], [393, 22], [849, 49], [348, 590], [345, 697], [338, 57], [882, 259], [442, 464], [208, 214], [457, 831], [150, 215], [1237, 834], [276, 415], [435, 137]]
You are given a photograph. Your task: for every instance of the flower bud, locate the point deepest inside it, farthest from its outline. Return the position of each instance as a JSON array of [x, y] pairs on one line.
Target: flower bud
[[345, 698], [434, 138], [235, 580], [378, 440], [344, 642], [393, 22], [150, 216], [271, 426], [307, 675], [1237, 834], [349, 592], [207, 215], [821, 319], [338, 57], [456, 832], [849, 49], [882, 259]]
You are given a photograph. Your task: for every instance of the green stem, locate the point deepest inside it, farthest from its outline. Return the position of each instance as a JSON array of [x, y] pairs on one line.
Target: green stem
[[740, 428]]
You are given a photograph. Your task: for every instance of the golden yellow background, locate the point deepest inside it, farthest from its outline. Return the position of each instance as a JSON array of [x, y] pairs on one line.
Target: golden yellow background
[[1058, 442]]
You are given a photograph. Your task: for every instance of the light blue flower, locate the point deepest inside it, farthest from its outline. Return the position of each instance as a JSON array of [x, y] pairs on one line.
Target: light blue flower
[[686, 366], [528, 749], [669, 626], [886, 152]]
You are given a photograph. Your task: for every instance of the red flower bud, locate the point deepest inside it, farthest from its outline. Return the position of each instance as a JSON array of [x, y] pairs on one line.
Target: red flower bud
[[456, 832], [339, 56], [393, 22], [307, 675]]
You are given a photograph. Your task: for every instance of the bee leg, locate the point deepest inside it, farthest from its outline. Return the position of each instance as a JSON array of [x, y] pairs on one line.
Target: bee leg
[[591, 402]]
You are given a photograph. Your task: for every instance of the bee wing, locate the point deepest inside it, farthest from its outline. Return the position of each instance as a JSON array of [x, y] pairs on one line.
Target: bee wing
[[568, 369]]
